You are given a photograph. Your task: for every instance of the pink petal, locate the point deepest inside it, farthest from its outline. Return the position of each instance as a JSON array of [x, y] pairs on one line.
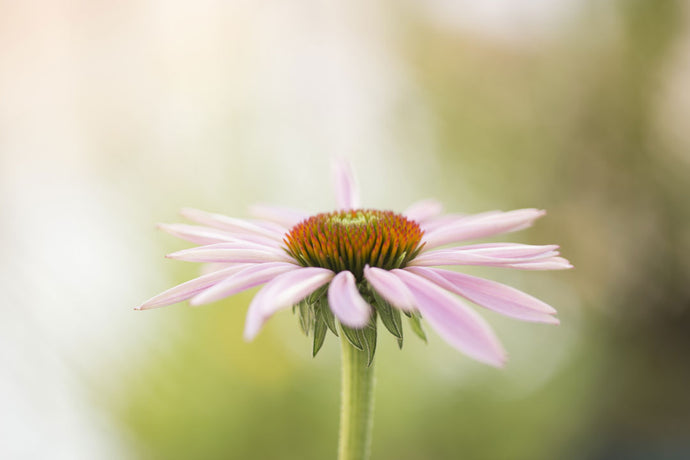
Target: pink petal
[[233, 225], [239, 252], [258, 239], [490, 294], [245, 279], [214, 267], [506, 250], [190, 288], [389, 287], [456, 323], [496, 255], [553, 263], [549, 263], [240, 244], [207, 235], [346, 190], [481, 226], [196, 234], [346, 302], [422, 211], [271, 226], [284, 216], [443, 220], [282, 292]]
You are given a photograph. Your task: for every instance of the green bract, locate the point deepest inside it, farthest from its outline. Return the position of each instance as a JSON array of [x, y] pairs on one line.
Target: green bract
[[316, 318]]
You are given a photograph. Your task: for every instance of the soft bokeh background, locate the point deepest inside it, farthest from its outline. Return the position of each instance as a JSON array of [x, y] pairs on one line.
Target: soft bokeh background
[[115, 114]]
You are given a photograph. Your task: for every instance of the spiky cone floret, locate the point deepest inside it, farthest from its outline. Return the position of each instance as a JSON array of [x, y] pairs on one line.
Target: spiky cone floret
[[350, 239]]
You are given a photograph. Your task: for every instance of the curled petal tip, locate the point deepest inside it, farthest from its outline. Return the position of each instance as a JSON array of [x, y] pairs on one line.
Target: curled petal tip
[[144, 306], [548, 319], [499, 363], [148, 305], [497, 360], [357, 323], [162, 226], [549, 310], [563, 262], [251, 329], [536, 213], [253, 321]]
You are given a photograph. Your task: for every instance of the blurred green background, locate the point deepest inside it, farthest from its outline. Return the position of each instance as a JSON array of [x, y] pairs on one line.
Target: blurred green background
[[115, 114]]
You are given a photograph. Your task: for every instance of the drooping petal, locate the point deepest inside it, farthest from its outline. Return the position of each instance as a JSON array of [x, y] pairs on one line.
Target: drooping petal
[[345, 183], [481, 226], [240, 281], [500, 254], [233, 225], [237, 252], [284, 291], [286, 217], [490, 294], [422, 211], [190, 288], [455, 322], [346, 302], [389, 287]]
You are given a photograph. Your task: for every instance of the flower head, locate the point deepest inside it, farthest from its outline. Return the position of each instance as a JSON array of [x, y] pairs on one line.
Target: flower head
[[353, 266], [351, 239]]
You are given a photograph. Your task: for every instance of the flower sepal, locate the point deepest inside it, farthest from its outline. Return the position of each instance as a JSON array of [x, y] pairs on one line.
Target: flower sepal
[[316, 319], [363, 339]]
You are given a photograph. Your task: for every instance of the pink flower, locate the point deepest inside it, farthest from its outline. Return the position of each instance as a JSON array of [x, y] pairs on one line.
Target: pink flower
[[356, 265]]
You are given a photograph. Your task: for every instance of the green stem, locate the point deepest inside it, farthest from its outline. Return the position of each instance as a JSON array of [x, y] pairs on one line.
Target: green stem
[[357, 404]]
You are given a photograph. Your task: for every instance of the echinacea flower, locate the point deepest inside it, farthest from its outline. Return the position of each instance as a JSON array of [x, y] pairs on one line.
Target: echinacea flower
[[355, 265]]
